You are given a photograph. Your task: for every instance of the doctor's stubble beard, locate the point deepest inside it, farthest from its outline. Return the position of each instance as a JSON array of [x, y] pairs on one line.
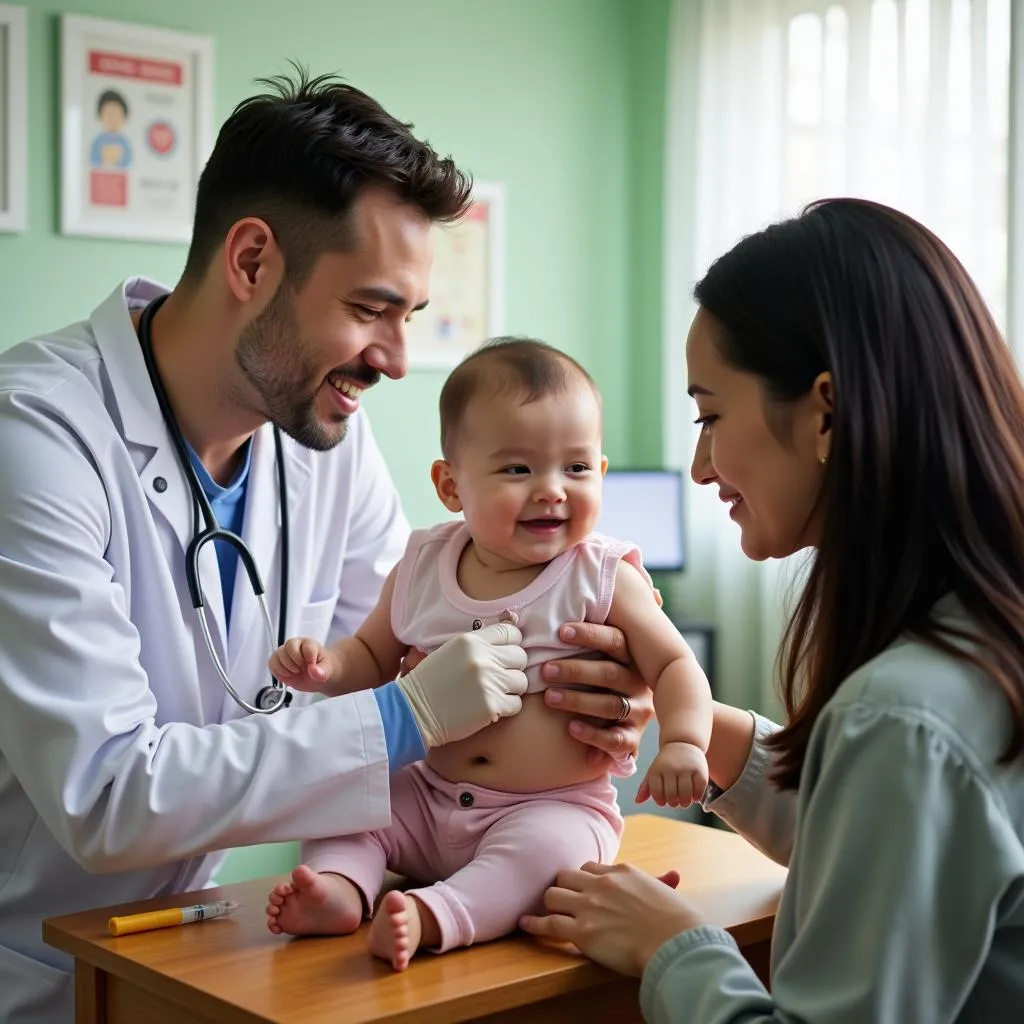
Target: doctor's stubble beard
[[269, 350]]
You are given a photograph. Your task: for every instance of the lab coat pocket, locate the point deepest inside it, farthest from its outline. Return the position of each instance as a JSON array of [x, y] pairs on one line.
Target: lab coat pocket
[[315, 619], [32, 992]]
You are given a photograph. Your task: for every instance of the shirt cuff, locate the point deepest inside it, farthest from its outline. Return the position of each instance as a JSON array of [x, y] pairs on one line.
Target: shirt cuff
[[669, 955], [401, 734], [723, 801]]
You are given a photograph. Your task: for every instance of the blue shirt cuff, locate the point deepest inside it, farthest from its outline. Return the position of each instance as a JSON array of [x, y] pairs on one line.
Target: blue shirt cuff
[[401, 734]]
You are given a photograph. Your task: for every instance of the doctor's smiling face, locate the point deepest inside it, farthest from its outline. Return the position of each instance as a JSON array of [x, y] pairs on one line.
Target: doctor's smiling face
[[317, 344], [311, 247]]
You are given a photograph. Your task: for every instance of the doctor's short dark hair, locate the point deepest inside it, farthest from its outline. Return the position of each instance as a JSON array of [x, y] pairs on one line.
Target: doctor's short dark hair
[[523, 368], [298, 155]]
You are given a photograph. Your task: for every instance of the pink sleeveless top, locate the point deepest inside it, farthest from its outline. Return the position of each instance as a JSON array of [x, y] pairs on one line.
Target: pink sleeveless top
[[429, 607]]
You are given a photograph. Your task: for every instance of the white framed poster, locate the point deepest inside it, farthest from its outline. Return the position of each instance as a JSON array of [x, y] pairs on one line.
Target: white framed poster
[[13, 118], [467, 285], [136, 128]]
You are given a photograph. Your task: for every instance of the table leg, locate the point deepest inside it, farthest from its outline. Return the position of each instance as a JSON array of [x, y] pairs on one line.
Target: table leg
[[90, 994], [758, 955]]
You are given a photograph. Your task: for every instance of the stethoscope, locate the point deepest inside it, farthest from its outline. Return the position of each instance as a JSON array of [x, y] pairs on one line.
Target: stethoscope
[[275, 696]]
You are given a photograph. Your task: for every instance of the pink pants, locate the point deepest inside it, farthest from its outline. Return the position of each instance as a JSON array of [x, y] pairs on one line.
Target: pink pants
[[489, 854]]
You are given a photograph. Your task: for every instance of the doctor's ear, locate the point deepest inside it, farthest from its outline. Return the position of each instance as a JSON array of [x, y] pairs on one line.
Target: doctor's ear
[[445, 484], [253, 261]]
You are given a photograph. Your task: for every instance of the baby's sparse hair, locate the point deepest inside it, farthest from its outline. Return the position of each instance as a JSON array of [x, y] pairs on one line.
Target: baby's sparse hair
[[506, 366]]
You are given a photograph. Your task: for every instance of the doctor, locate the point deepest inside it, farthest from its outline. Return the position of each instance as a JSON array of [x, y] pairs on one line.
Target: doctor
[[125, 763]]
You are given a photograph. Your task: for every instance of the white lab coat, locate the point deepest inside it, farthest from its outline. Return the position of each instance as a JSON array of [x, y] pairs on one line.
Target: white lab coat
[[124, 764]]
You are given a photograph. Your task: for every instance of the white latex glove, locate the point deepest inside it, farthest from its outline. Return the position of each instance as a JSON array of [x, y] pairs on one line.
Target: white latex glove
[[469, 682]]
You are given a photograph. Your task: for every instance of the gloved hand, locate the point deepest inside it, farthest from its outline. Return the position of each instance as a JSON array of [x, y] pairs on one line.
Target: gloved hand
[[469, 682]]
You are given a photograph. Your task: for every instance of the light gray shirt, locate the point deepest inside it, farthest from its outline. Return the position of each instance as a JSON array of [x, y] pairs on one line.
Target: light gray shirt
[[904, 902]]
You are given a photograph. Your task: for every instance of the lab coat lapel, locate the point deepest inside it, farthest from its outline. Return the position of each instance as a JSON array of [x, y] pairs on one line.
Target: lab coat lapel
[[248, 644], [136, 408], [146, 435]]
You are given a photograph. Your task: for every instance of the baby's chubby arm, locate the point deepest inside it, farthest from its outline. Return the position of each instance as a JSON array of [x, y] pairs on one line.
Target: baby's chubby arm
[[366, 660], [682, 696], [470, 681]]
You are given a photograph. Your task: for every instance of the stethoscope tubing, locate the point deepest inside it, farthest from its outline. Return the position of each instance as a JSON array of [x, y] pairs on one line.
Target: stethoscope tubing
[[275, 696]]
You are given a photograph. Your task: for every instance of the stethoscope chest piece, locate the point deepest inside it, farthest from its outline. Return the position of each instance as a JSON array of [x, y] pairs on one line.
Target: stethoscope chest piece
[[270, 698]]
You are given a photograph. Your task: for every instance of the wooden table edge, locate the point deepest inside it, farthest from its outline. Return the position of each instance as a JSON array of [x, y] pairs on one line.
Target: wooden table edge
[[178, 992], [577, 975], [574, 974]]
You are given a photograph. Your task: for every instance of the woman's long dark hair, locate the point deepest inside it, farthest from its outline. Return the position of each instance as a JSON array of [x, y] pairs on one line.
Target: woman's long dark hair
[[923, 494]]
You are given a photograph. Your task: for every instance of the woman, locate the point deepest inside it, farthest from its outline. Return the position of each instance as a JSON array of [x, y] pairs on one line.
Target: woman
[[855, 396]]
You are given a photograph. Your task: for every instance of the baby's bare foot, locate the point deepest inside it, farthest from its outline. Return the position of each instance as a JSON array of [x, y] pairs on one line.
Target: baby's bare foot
[[314, 904], [396, 929]]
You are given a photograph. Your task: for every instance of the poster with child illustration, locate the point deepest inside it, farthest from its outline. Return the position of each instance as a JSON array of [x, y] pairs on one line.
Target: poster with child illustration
[[137, 126]]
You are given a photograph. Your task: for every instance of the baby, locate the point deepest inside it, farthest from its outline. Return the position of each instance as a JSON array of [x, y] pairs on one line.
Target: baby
[[491, 819]]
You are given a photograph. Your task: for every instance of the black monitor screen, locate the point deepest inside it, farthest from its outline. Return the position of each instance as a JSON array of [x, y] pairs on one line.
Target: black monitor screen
[[646, 507]]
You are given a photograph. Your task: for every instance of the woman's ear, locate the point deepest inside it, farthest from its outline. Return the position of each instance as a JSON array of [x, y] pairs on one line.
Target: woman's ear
[[445, 484], [822, 398]]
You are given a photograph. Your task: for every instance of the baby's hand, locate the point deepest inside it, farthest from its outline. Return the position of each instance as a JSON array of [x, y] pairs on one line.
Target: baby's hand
[[304, 664], [678, 776]]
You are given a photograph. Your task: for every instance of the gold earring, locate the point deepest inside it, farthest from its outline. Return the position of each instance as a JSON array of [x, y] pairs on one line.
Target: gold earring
[[823, 459]]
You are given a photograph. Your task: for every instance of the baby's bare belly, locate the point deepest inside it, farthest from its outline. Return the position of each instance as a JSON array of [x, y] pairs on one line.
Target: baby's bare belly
[[526, 753]]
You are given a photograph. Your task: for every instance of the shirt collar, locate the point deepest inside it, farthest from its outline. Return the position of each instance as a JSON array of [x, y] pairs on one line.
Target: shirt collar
[[211, 488]]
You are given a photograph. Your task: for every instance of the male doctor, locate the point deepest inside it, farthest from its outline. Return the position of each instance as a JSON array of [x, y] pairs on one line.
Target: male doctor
[[125, 765]]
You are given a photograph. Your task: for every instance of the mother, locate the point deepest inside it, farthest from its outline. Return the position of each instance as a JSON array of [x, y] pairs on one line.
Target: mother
[[856, 397]]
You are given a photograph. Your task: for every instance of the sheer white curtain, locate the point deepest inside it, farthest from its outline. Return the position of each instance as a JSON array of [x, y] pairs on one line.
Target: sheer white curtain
[[773, 103]]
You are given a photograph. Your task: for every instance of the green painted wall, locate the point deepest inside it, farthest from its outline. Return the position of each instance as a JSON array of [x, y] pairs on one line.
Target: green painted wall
[[533, 93], [562, 100], [646, 55]]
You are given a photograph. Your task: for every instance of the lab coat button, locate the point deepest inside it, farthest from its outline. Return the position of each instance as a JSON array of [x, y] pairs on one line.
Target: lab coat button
[[466, 799], [159, 484]]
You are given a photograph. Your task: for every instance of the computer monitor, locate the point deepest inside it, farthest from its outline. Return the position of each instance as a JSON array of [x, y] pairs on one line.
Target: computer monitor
[[645, 506]]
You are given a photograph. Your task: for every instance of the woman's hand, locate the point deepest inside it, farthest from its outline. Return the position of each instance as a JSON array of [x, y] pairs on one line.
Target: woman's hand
[[621, 736], [617, 914]]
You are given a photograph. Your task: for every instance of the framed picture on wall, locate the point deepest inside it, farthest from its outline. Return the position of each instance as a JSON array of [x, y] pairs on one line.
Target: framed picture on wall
[[467, 296], [136, 128], [13, 118]]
